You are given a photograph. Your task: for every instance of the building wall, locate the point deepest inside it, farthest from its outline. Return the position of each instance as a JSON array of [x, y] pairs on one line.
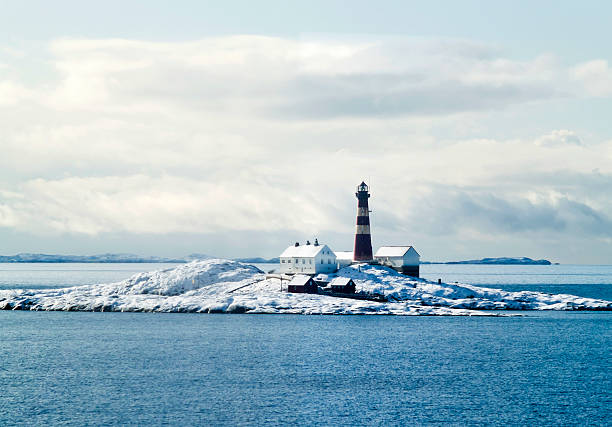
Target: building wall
[[410, 270], [326, 261], [348, 289], [395, 262], [298, 265], [323, 262], [327, 268], [309, 288], [411, 257]]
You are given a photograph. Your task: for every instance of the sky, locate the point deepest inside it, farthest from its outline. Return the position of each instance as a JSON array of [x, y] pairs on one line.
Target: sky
[[236, 128]]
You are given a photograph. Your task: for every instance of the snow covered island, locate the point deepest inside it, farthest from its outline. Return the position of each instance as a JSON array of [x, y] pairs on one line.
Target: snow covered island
[[223, 286]]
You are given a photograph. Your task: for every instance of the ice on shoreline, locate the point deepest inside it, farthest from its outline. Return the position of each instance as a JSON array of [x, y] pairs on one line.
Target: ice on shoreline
[[223, 286]]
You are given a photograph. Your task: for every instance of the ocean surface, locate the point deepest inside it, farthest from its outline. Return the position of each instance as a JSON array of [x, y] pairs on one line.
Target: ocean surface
[[60, 275], [543, 368], [592, 281]]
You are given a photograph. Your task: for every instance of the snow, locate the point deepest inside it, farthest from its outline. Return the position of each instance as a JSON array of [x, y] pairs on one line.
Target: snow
[[216, 285], [303, 251], [392, 251], [339, 281], [300, 280], [344, 255]]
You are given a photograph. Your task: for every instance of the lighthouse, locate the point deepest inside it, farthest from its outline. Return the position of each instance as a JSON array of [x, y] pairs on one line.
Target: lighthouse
[[363, 241]]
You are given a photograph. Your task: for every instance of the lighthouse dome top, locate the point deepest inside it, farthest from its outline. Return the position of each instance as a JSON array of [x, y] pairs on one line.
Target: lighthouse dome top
[[362, 187]]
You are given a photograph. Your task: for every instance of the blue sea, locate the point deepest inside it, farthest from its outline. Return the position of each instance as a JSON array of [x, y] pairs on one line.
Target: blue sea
[[543, 368]]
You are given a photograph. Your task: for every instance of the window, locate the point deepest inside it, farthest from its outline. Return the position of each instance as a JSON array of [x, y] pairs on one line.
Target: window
[[329, 260], [310, 261], [282, 261], [321, 260], [303, 261]]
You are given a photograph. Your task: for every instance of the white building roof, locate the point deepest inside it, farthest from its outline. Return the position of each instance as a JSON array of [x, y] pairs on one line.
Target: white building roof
[[347, 255], [302, 251], [393, 251], [299, 280]]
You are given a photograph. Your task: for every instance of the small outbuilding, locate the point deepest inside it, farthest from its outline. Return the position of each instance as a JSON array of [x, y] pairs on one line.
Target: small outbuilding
[[344, 258], [302, 284], [342, 285], [404, 259]]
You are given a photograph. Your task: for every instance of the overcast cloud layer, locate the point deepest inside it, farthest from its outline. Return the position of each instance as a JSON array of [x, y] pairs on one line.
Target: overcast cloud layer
[[266, 138]]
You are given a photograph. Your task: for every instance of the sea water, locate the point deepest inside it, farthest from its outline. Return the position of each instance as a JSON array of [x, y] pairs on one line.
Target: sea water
[[545, 368], [591, 281], [59, 275]]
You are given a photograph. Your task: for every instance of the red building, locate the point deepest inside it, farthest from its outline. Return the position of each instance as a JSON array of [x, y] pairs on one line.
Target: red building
[[342, 285], [302, 284]]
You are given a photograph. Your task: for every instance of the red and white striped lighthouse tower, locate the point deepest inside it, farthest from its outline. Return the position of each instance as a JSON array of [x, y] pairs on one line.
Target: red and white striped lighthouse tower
[[363, 240]]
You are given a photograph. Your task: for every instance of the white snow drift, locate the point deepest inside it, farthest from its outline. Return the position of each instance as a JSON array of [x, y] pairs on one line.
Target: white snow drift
[[217, 285]]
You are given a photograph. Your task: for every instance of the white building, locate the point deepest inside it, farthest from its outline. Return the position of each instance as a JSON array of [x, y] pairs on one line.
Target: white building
[[344, 258], [404, 259], [309, 259]]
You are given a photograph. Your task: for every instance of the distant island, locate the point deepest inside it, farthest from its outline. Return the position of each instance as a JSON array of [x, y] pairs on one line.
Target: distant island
[[131, 258], [497, 261], [258, 260], [101, 258], [119, 258]]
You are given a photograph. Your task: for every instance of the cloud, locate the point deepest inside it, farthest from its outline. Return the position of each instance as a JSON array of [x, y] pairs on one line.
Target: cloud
[[312, 79], [460, 211], [495, 190], [249, 135], [559, 137], [165, 204], [596, 76], [12, 93], [397, 95]]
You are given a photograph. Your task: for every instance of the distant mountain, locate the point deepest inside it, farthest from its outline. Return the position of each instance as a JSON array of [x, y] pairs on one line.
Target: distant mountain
[[197, 257], [258, 260], [124, 258], [498, 261], [102, 258]]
